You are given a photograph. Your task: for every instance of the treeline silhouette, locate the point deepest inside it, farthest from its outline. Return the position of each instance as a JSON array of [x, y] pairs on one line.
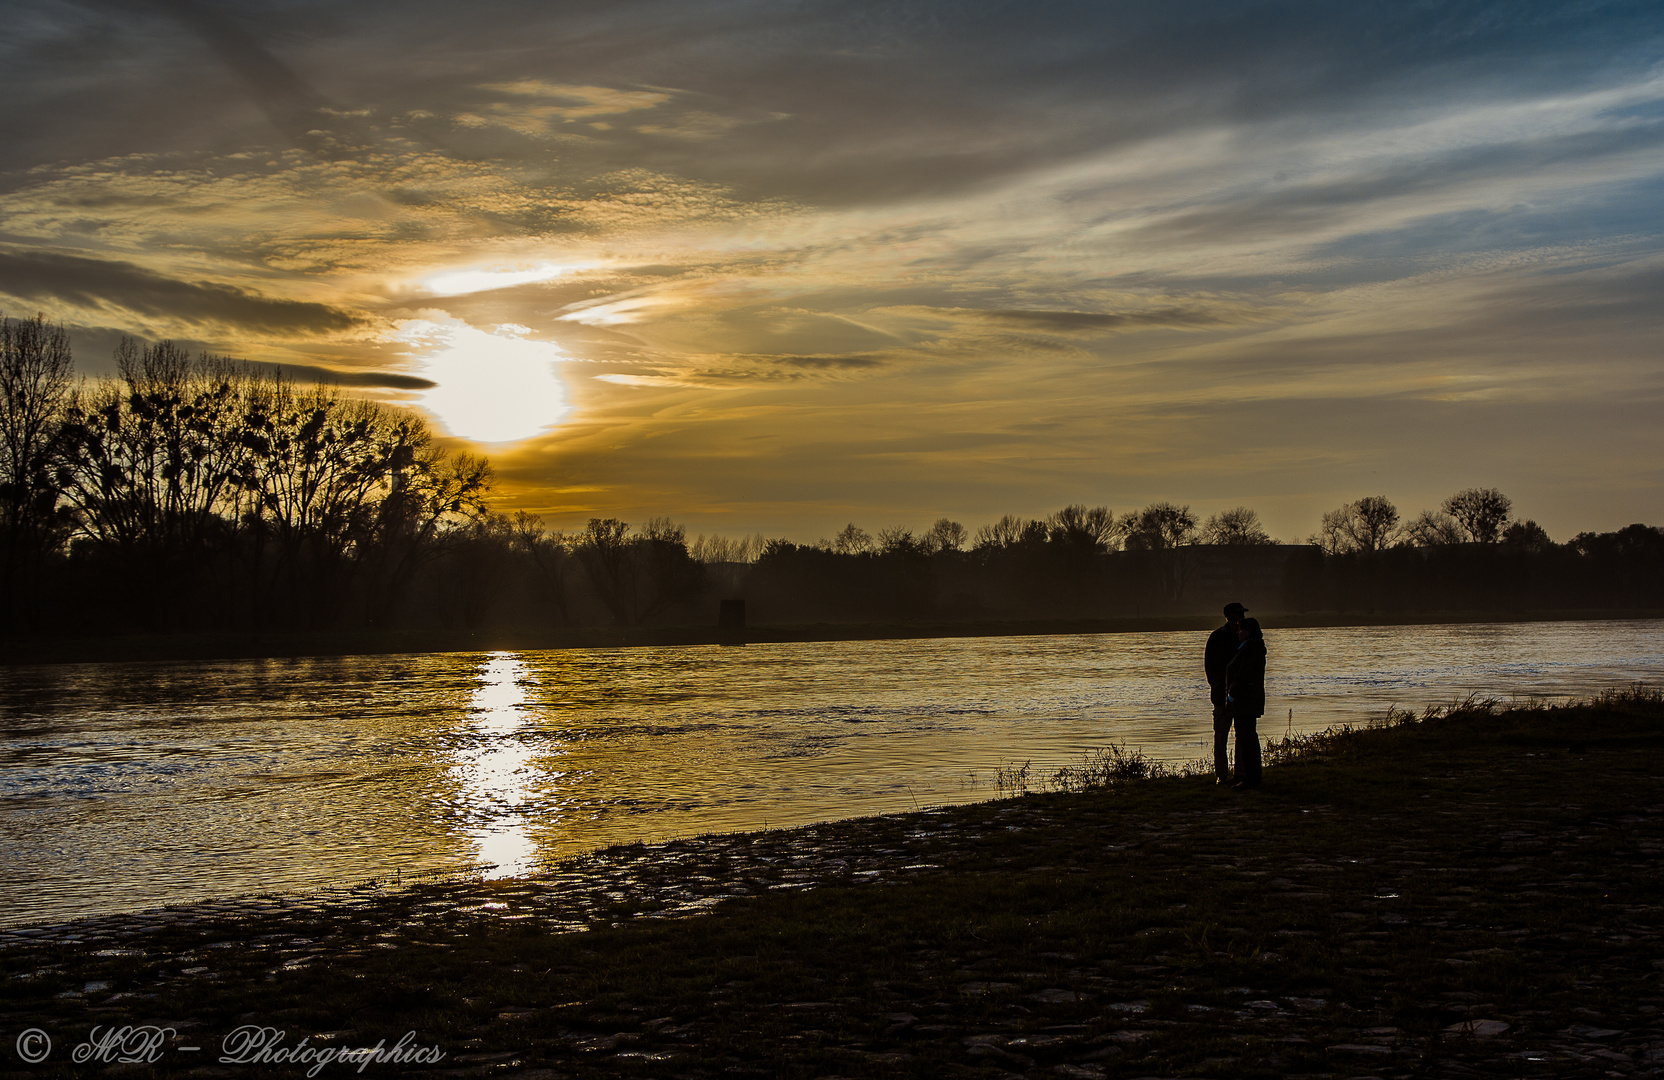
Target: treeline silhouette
[[201, 495]]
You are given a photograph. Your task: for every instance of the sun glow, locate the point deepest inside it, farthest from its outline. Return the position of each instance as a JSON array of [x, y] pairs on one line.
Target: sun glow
[[493, 387], [462, 282]]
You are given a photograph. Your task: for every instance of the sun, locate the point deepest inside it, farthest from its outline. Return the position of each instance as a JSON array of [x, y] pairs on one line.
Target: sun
[[491, 387]]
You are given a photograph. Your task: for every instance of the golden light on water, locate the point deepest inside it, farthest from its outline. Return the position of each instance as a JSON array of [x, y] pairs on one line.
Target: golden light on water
[[492, 387], [498, 772], [248, 777]]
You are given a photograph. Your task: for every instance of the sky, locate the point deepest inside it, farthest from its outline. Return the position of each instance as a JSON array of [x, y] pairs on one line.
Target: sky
[[778, 266]]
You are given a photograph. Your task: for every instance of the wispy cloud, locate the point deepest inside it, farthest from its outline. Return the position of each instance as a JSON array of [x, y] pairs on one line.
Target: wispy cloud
[[92, 289], [1012, 256]]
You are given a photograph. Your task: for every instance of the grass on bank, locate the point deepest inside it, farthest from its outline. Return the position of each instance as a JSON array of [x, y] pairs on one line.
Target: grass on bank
[[1117, 764]]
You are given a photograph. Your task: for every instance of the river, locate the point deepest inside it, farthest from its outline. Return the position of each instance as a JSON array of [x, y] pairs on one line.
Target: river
[[128, 786]]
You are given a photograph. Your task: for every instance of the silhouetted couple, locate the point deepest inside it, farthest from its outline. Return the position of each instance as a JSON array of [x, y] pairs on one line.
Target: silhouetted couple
[[1235, 665]]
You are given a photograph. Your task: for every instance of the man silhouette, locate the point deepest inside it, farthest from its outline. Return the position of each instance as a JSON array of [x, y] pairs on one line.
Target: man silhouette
[[1222, 645]]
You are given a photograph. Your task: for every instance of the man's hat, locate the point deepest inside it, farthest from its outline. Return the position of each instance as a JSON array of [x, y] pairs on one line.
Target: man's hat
[[1234, 609]]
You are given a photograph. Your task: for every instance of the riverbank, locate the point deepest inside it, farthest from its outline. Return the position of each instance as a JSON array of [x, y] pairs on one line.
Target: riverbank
[[201, 647], [1471, 894]]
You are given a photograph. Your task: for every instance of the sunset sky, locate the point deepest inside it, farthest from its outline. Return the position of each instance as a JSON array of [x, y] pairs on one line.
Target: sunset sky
[[782, 265]]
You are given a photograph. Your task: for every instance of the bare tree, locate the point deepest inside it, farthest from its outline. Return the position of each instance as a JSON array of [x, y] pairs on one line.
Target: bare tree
[[1005, 532], [35, 365], [1482, 513], [339, 489], [1370, 524], [898, 540], [1238, 526], [1159, 527], [1084, 529], [603, 552], [945, 535], [662, 528], [668, 574], [1010, 532], [637, 577], [852, 540], [722, 549], [1433, 528], [473, 575], [551, 554], [1164, 535], [1374, 523], [431, 502], [152, 464]]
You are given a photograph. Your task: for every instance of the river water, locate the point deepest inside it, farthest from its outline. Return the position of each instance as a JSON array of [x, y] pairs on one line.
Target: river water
[[127, 786]]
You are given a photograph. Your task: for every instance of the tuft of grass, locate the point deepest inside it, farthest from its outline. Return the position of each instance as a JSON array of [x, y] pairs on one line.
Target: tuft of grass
[[1108, 767], [1012, 780], [1636, 697]]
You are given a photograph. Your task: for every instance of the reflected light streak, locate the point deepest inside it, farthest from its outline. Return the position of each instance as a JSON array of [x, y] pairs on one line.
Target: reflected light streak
[[496, 773]]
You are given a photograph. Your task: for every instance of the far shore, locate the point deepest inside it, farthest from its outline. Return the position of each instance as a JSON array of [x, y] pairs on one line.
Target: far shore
[[129, 648]]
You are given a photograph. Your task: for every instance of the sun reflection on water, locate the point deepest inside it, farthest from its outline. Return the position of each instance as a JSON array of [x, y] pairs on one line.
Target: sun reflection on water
[[126, 786], [496, 772]]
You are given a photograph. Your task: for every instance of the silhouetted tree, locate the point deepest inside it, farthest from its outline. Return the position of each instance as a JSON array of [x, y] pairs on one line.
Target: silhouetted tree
[[319, 465], [852, 540], [1433, 528], [149, 464], [551, 556], [945, 535], [1368, 525], [897, 540], [1161, 535], [473, 574], [672, 576], [722, 549], [338, 491], [432, 501], [1238, 526], [1527, 536], [1622, 569], [35, 367], [1160, 526], [638, 577], [603, 552], [1082, 530], [1482, 513], [1007, 532], [1631, 540]]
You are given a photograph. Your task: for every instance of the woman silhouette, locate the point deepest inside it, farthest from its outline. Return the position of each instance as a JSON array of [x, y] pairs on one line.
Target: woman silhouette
[[1245, 697]]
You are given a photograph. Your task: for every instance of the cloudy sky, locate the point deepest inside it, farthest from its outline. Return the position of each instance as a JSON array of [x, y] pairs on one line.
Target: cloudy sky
[[782, 265]]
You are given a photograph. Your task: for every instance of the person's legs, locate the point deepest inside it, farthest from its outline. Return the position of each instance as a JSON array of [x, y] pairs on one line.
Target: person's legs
[[1248, 751], [1221, 744]]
